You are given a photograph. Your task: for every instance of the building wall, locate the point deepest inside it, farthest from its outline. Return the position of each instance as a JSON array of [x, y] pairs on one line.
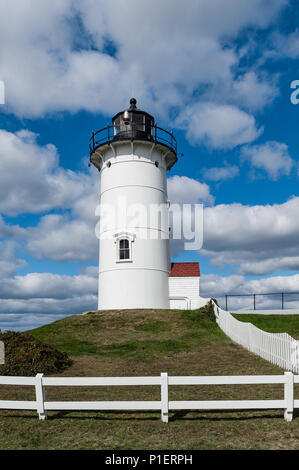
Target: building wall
[[184, 293], [134, 180]]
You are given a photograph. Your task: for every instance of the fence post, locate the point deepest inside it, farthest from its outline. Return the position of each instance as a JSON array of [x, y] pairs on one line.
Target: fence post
[[40, 396], [294, 355], [289, 396], [250, 337], [164, 397], [2, 353]]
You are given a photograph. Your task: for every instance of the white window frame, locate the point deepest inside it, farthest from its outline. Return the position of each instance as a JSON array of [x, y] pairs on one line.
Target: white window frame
[[124, 236]]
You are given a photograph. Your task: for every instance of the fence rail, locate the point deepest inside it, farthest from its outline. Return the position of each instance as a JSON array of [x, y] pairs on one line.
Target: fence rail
[[41, 405], [281, 295], [278, 348]]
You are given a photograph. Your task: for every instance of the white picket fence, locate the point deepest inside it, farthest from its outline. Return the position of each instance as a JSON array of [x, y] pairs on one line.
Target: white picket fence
[[278, 348], [41, 405]]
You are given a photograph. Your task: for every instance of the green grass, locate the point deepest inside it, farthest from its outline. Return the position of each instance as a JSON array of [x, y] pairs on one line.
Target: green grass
[[273, 323], [144, 343], [131, 334], [153, 327]]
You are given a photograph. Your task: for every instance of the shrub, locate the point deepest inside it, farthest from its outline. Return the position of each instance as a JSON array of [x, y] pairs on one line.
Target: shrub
[[27, 356], [207, 312]]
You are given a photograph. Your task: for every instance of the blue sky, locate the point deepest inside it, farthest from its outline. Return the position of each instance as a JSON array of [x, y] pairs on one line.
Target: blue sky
[[218, 74]]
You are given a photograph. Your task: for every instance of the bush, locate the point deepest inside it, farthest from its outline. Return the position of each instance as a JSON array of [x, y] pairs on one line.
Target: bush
[[207, 312], [27, 356]]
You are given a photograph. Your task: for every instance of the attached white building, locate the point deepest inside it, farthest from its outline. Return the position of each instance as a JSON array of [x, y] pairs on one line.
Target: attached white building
[[184, 281]]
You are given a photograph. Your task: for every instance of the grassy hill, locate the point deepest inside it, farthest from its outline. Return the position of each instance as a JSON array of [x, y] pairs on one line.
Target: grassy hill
[[142, 335], [148, 342]]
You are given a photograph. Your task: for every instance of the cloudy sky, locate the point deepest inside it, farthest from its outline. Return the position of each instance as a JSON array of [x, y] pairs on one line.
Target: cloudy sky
[[218, 73]]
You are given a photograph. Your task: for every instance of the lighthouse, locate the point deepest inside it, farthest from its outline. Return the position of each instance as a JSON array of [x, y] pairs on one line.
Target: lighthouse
[[133, 156]]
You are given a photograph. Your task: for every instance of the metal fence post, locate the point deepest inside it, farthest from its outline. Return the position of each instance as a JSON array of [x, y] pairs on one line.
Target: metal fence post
[[40, 396], [289, 396], [164, 397]]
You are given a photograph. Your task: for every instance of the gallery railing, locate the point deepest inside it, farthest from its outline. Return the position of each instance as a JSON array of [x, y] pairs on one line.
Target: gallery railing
[[113, 133]]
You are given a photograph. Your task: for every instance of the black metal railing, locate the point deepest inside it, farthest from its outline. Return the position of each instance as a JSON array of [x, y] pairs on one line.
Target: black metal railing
[[282, 297], [112, 133]]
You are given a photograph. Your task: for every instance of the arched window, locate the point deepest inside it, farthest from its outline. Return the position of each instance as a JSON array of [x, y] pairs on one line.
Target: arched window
[[123, 242], [124, 249]]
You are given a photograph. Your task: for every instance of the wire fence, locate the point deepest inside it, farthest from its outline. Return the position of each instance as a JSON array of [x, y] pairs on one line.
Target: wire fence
[[261, 301]]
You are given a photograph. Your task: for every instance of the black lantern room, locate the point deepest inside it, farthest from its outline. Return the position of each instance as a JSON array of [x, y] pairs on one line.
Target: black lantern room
[[133, 123]]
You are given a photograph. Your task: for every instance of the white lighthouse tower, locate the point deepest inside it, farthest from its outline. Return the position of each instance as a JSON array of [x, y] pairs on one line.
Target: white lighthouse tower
[[133, 156]]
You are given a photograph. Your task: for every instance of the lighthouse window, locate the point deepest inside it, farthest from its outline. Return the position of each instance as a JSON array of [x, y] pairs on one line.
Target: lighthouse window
[[124, 249]]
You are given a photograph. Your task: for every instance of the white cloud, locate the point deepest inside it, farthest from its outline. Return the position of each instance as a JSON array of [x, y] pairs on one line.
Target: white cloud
[[40, 298], [182, 189], [36, 312], [54, 56], [9, 261], [48, 286], [260, 267], [253, 93], [218, 126], [221, 173], [235, 234], [272, 157], [63, 239], [31, 179], [283, 46], [26, 321], [10, 231], [212, 284], [218, 286], [41, 184], [249, 89]]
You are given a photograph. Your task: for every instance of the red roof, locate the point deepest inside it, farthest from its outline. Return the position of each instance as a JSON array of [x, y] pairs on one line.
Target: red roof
[[184, 270]]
